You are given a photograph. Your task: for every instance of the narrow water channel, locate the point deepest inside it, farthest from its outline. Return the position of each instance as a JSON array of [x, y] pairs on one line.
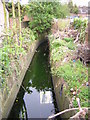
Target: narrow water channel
[[36, 98]]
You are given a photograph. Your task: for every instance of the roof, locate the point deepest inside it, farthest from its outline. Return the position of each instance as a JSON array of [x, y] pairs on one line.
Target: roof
[[25, 18]]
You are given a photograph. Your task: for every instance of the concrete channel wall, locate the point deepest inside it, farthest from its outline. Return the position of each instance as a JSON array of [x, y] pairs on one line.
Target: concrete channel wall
[[63, 101], [7, 105]]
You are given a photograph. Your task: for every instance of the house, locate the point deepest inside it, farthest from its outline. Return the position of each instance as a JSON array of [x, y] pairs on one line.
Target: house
[[2, 20], [25, 21], [83, 10]]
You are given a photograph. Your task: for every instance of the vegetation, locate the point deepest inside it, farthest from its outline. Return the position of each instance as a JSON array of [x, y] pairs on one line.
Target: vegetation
[[10, 54], [23, 10], [73, 8], [15, 45], [80, 25], [17, 42], [65, 65], [65, 23], [42, 14]]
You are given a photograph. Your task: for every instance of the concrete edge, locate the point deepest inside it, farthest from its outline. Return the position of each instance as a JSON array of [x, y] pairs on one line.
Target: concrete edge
[[4, 112]]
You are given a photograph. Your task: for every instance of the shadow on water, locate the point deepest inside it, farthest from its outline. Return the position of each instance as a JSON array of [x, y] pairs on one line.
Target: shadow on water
[[36, 97]]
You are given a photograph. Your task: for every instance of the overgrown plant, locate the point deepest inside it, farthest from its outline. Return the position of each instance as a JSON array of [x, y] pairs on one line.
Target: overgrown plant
[[42, 13], [80, 25], [66, 66], [23, 10], [10, 54]]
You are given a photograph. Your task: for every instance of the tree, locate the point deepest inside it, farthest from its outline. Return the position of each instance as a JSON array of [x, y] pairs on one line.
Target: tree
[[75, 9], [70, 5], [42, 14]]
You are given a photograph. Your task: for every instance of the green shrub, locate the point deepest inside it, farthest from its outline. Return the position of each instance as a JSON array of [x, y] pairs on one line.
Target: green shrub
[[81, 26], [63, 23], [71, 45], [68, 39], [10, 52], [42, 14], [78, 23]]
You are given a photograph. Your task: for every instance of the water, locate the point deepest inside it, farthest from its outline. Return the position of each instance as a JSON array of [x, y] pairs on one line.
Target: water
[[36, 98]]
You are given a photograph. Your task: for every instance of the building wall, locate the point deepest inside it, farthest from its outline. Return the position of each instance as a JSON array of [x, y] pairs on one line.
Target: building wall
[[2, 17]]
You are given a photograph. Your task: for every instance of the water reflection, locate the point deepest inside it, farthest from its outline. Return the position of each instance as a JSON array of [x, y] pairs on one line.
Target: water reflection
[[45, 97], [35, 98]]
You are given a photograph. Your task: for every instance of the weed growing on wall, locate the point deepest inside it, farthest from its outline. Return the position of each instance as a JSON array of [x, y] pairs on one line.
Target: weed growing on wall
[[66, 66], [10, 54]]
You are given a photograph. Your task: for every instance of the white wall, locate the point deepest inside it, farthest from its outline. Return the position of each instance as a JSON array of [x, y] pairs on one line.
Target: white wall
[[2, 17]]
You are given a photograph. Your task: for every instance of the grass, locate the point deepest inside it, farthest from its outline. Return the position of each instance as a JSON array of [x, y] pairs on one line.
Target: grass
[[74, 73], [10, 54], [63, 23]]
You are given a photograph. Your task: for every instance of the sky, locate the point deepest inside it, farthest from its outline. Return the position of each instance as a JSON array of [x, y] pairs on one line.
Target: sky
[[77, 2], [24, 1]]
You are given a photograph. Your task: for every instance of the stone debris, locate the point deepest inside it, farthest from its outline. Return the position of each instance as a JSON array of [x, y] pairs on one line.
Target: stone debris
[[71, 90]]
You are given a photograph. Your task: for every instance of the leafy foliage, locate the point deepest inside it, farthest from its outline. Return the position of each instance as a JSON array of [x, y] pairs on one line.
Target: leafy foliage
[[73, 8], [68, 39], [81, 26], [71, 70], [10, 54], [70, 5], [23, 10], [78, 23], [65, 23], [42, 14]]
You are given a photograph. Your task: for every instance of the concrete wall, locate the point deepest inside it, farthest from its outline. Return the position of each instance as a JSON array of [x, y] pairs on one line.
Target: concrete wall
[[6, 104], [2, 17], [62, 100]]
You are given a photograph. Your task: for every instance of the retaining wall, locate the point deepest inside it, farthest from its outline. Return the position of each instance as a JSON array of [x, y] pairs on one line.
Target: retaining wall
[[62, 100], [6, 104]]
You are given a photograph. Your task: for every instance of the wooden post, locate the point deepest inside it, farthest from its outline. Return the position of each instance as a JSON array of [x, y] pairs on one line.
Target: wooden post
[[14, 21], [19, 15], [5, 16]]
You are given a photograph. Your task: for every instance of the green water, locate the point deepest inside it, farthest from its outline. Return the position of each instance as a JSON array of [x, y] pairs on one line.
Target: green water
[[36, 98]]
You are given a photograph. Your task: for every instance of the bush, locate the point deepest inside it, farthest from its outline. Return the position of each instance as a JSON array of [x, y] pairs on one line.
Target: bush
[[81, 26], [65, 24], [42, 13], [68, 39], [78, 23]]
